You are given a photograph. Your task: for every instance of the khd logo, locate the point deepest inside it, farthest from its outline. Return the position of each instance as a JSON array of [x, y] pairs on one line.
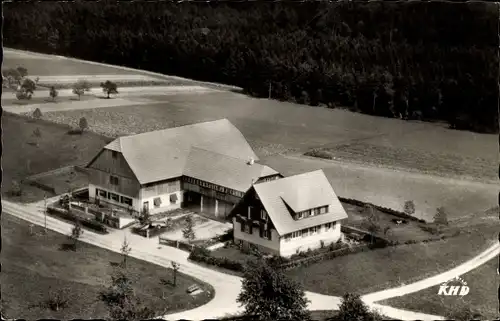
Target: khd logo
[[461, 289]]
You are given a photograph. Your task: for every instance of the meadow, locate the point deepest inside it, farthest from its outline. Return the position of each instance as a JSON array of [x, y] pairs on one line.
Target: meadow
[[34, 266]]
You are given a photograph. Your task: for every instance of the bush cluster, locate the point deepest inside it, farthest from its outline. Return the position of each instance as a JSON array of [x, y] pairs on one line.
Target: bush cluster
[[203, 255]]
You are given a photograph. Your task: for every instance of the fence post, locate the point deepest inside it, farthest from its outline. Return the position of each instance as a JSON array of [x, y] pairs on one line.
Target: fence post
[[177, 243], [147, 233]]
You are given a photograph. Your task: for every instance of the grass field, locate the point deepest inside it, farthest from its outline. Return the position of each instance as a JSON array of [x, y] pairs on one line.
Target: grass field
[[481, 298], [33, 265], [42, 65], [45, 99], [302, 128], [56, 148], [379, 269]]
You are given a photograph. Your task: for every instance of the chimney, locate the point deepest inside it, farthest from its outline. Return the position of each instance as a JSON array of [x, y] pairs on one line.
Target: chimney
[[250, 161]]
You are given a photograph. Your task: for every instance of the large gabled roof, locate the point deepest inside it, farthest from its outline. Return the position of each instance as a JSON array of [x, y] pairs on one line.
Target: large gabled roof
[[297, 193], [162, 154], [224, 170]]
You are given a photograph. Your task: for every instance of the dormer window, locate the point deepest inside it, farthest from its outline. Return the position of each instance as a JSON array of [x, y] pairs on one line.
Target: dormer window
[[300, 215], [323, 209]]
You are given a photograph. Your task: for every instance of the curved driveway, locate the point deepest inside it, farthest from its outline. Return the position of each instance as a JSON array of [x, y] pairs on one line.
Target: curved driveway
[[227, 287]]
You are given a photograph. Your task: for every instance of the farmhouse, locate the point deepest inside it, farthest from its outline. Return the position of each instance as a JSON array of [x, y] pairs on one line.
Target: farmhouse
[[207, 167], [289, 215]]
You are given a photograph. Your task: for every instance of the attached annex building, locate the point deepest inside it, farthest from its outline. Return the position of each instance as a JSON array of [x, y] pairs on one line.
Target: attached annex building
[[289, 215], [207, 166]]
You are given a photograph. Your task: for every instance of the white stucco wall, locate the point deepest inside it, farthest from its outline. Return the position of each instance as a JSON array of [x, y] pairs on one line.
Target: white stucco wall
[[302, 243], [272, 245], [166, 205]]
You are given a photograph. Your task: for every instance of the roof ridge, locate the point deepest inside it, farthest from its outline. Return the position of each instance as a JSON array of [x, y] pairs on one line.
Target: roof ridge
[[213, 152]]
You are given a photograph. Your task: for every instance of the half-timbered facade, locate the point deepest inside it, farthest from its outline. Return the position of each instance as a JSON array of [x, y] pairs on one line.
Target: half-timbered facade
[[289, 215], [207, 167]]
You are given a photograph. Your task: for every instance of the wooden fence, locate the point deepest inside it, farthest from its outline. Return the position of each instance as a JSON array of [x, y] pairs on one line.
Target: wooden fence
[[177, 244]]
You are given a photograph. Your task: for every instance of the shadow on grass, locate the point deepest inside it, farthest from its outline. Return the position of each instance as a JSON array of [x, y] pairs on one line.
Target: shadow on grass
[[66, 247], [75, 132], [166, 282]]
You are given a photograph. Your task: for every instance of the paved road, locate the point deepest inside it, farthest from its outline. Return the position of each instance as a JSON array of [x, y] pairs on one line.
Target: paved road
[[226, 286]]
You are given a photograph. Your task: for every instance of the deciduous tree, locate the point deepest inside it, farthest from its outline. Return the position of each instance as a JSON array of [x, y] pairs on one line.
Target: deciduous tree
[[353, 308], [409, 207], [109, 87], [188, 230], [76, 233], [121, 300], [125, 251], [53, 93], [268, 294], [83, 124], [441, 216], [81, 87]]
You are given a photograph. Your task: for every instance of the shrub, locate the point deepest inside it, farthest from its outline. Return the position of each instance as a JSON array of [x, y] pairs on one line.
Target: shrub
[[441, 216], [37, 114], [53, 93], [409, 208], [16, 189], [203, 255], [83, 124], [57, 300]]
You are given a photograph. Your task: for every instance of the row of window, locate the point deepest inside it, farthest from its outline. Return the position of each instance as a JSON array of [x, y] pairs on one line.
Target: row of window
[[263, 214], [312, 212], [264, 233], [310, 231], [214, 187], [112, 196]]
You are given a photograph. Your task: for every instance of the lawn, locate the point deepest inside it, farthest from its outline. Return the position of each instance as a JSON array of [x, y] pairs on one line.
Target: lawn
[[56, 148], [33, 265], [357, 217], [43, 98], [391, 188], [481, 298], [378, 269]]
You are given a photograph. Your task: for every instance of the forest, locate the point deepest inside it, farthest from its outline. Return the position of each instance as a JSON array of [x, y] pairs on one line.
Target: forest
[[433, 61]]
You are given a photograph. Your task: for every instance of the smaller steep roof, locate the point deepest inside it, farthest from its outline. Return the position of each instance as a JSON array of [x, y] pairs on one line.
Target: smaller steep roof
[[299, 192], [224, 170]]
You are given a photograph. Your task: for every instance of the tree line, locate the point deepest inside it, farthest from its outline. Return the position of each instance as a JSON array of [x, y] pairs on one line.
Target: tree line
[[425, 60]]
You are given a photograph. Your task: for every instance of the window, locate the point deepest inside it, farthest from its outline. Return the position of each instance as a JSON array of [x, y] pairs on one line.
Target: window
[[173, 198], [114, 154], [328, 226], [247, 228], [299, 215], [263, 215], [334, 224], [157, 202], [126, 200], [267, 234], [249, 214], [114, 197], [316, 211], [313, 230], [322, 210], [305, 232], [103, 193], [113, 180], [288, 237]]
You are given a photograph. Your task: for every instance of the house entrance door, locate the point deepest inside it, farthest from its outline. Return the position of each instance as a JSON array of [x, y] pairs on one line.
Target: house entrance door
[[145, 206]]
